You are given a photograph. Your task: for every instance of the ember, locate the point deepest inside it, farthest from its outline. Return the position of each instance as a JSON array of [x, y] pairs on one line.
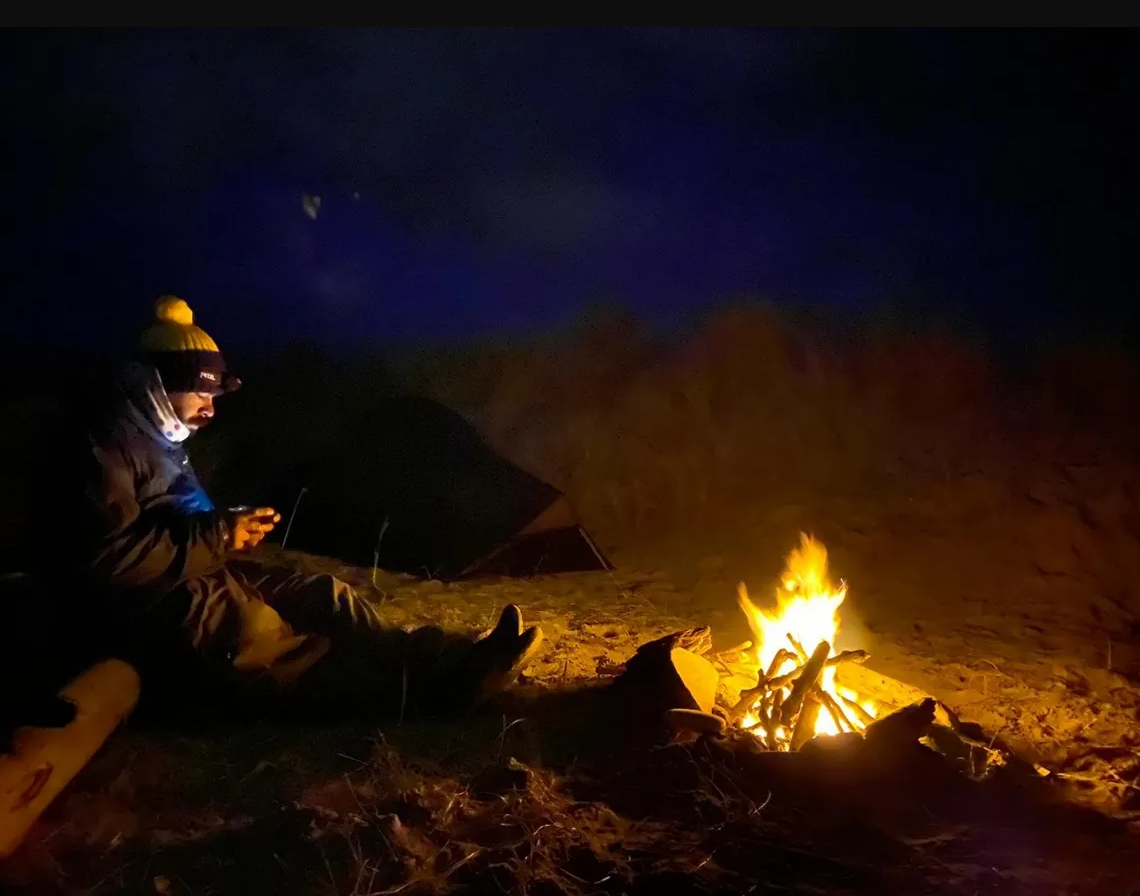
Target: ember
[[796, 696]]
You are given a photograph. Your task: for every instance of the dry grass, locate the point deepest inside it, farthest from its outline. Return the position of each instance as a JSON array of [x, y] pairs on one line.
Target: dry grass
[[483, 806]]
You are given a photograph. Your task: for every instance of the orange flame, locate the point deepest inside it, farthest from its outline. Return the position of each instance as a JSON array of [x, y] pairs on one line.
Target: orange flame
[[807, 609]]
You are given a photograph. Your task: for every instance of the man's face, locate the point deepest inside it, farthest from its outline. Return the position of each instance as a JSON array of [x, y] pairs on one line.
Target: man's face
[[194, 409]]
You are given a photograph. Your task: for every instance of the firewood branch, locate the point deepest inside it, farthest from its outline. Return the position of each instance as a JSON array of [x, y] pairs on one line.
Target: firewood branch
[[798, 646], [802, 686], [781, 657], [772, 720], [805, 723], [842, 723], [860, 713], [846, 656], [749, 696]]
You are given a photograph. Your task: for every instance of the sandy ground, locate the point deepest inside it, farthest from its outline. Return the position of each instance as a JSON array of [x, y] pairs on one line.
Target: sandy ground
[[1015, 607]]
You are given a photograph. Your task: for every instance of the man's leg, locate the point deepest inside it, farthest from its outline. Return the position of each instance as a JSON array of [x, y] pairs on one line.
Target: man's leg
[[321, 604], [375, 668], [212, 649]]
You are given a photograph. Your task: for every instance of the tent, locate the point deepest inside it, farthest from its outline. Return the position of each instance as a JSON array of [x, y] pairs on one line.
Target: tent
[[413, 487]]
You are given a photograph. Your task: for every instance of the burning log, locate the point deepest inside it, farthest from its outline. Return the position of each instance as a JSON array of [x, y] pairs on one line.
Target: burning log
[[842, 723], [745, 703], [781, 657], [799, 647], [749, 696], [772, 720], [872, 685], [860, 713], [763, 707], [804, 729], [753, 724], [846, 656], [803, 685]]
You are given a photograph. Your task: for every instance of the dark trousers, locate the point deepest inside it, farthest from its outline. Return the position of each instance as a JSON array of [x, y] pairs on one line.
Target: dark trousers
[[257, 640]]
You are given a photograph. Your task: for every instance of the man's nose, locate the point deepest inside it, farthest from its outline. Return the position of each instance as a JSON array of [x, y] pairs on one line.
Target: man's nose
[[207, 409]]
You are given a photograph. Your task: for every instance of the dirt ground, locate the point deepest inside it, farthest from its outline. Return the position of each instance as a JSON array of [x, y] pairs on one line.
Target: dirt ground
[[1014, 606]]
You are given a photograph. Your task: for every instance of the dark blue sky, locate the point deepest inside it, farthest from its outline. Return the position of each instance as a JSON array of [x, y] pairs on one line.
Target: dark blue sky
[[486, 181]]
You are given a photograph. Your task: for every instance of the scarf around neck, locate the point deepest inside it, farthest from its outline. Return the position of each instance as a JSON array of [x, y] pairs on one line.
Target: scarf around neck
[[144, 388]]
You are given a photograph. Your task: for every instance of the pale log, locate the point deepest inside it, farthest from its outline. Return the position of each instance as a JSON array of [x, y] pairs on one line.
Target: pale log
[[842, 723], [806, 681], [804, 729], [860, 713], [872, 685]]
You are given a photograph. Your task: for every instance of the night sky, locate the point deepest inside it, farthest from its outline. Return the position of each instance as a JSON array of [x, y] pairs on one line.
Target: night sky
[[476, 181]]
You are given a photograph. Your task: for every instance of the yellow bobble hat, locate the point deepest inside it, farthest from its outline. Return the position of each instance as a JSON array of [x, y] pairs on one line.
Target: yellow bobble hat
[[186, 358]]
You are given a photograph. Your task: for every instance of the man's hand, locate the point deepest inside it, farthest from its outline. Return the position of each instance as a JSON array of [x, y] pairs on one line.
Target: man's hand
[[249, 527]]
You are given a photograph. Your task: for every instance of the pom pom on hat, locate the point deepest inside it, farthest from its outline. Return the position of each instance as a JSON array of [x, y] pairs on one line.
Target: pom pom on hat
[[174, 330], [173, 310]]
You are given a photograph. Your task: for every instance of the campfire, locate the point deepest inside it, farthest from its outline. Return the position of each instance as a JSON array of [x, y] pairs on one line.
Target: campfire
[[789, 685], [792, 658]]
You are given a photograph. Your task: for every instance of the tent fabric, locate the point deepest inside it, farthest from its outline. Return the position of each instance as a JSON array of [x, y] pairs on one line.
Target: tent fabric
[[553, 550], [414, 488]]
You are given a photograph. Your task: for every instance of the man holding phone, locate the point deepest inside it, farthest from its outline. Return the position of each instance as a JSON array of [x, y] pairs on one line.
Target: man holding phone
[[176, 598]]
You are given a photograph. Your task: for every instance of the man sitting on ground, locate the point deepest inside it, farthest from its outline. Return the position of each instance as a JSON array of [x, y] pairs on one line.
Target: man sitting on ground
[[197, 618]]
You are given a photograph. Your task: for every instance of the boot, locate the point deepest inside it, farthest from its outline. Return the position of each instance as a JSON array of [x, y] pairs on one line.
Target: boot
[[497, 659], [494, 662], [504, 668]]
